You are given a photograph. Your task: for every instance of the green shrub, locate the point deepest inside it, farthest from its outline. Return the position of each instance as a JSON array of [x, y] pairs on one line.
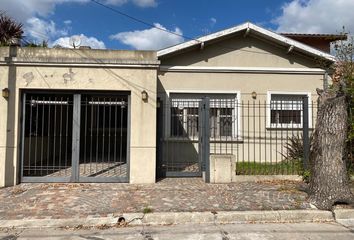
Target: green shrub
[[305, 175], [295, 148], [147, 210]]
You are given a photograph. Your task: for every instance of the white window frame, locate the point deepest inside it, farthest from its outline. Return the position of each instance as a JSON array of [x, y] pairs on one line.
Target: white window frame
[[294, 126], [236, 131]]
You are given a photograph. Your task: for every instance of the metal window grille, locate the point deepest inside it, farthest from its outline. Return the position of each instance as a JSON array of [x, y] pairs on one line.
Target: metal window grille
[[286, 110]]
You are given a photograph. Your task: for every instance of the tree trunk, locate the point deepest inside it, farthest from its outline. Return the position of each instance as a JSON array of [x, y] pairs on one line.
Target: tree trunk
[[329, 178]]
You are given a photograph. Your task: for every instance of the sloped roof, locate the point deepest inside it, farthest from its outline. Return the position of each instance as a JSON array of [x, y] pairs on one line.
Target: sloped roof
[[252, 29], [329, 37]]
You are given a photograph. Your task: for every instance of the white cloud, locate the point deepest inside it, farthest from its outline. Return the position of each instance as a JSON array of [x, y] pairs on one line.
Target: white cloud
[[67, 22], [40, 30], [139, 3], [145, 3], [80, 40], [22, 10], [316, 16], [149, 39], [115, 2], [34, 14], [212, 21]]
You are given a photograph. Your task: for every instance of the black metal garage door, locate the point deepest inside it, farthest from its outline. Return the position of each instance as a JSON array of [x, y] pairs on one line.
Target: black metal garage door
[[81, 137]]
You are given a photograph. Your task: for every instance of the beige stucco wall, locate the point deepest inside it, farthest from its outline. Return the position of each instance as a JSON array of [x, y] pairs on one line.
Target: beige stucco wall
[[3, 126], [243, 52], [240, 52], [246, 83], [87, 77]]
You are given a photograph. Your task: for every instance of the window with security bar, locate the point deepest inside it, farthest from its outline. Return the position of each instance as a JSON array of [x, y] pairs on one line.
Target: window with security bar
[[286, 110], [184, 118], [184, 111], [221, 120]]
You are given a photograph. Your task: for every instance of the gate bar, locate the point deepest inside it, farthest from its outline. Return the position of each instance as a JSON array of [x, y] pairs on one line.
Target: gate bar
[[128, 138], [23, 132], [76, 138], [305, 129], [206, 137]]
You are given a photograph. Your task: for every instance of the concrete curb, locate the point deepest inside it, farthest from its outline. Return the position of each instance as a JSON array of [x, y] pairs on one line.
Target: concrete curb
[[234, 217], [51, 223], [344, 217], [169, 218]]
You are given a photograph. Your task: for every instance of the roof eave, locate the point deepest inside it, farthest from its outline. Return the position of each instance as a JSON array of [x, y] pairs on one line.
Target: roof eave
[[264, 32], [329, 37], [204, 39]]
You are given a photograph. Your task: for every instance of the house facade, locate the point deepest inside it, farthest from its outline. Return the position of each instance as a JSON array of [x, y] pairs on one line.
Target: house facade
[[131, 116], [255, 79], [77, 115]]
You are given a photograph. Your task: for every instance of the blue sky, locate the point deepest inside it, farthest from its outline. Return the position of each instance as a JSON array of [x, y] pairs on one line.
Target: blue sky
[[57, 21]]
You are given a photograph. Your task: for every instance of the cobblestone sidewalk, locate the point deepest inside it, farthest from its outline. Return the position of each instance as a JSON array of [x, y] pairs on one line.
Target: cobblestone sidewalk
[[59, 201]]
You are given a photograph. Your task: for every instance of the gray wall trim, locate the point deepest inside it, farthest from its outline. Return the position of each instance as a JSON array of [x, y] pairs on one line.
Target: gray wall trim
[[74, 64], [269, 70]]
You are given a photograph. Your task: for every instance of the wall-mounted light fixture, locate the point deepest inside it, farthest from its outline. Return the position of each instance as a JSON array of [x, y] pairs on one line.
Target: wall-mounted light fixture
[[254, 95], [5, 93], [144, 96]]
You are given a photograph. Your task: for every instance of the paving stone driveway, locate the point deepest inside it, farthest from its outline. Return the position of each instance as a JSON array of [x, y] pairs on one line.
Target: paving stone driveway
[[34, 201]]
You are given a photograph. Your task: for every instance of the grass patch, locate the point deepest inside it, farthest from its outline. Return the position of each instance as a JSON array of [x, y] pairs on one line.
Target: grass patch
[[147, 210], [281, 168]]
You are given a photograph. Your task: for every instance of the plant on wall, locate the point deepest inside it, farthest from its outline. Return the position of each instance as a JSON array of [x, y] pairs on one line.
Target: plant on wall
[[11, 32]]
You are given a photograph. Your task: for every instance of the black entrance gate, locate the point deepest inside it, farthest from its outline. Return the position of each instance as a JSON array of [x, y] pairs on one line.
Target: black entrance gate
[[183, 137], [261, 136], [81, 137]]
